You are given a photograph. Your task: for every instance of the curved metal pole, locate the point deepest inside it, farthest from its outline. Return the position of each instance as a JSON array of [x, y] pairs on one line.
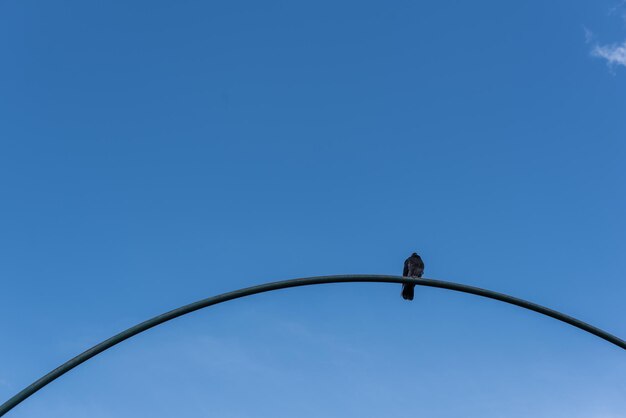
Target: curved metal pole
[[268, 287]]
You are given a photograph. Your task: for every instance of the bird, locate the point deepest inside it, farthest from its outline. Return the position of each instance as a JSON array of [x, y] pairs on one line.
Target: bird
[[413, 267]]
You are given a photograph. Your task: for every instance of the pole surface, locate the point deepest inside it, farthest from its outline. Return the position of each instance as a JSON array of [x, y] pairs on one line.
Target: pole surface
[[268, 287]]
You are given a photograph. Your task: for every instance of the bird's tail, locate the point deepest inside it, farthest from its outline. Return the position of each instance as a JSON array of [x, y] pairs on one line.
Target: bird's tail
[[408, 291]]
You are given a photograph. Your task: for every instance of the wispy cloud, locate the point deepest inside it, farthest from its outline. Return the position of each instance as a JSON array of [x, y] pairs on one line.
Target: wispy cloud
[[588, 35], [615, 54], [617, 7]]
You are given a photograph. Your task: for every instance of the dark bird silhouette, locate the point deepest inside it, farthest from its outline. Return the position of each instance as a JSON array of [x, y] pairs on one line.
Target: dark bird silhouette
[[413, 267]]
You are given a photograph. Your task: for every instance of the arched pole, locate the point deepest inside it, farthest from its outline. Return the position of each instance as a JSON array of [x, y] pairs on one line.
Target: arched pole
[[268, 287]]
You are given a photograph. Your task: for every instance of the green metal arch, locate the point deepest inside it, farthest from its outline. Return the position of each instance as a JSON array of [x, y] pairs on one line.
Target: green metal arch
[[268, 287]]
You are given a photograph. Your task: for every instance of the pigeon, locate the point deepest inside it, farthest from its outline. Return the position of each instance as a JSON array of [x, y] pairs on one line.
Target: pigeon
[[413, 267]]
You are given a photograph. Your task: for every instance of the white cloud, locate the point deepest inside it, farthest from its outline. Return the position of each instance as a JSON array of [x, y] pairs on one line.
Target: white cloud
[[615, 54], [588, 35], [617, 7]]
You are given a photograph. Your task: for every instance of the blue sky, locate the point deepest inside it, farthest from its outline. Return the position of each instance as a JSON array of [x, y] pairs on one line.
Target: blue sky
[[156, 153]]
